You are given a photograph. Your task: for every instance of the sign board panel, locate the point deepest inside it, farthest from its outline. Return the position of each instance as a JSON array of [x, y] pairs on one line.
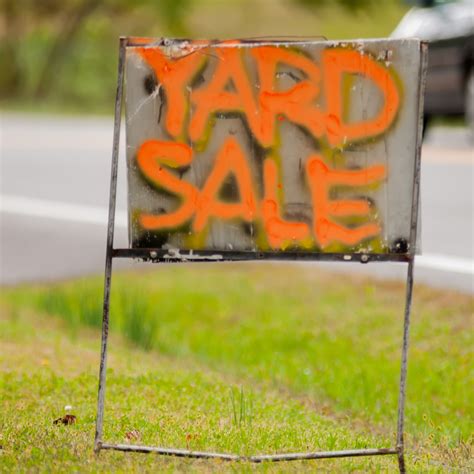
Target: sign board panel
[[272, 146]]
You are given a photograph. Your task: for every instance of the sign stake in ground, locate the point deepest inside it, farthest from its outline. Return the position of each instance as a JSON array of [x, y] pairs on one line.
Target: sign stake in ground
[[269, 150]]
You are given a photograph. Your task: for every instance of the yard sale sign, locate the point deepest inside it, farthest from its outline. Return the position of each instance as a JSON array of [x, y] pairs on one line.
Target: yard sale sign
[[272, 145]]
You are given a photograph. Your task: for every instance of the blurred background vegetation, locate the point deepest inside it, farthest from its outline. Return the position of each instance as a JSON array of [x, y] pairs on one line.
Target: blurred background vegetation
[[61, 55]]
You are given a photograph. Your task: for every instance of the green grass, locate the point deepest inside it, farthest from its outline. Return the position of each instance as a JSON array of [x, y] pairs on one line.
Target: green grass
[[246, 359]]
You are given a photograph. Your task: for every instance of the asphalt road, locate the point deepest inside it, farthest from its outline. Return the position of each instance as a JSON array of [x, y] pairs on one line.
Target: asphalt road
[[54, 198]]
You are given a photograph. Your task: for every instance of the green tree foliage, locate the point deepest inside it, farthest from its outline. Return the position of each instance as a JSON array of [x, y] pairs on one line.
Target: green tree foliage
[[67, 48], [58, 23]]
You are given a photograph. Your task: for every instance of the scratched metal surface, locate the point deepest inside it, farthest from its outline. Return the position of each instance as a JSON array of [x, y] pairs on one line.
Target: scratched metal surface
[[299, 218]]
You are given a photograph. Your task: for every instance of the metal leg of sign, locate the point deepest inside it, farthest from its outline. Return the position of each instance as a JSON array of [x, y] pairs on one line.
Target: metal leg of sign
[[403, 369], [109, 249], [103, 356]]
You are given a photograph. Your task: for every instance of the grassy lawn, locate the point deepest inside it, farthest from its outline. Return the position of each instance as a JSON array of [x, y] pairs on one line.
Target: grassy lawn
[[237, 358]]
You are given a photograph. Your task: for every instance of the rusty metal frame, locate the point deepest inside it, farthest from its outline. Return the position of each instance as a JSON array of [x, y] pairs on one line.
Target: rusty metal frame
[[158, 255]]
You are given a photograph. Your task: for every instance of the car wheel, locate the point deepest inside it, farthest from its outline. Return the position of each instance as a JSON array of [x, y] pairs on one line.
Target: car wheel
[[426, 122]]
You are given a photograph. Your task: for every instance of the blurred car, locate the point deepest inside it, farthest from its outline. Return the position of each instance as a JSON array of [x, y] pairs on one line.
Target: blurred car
[[448, 26]]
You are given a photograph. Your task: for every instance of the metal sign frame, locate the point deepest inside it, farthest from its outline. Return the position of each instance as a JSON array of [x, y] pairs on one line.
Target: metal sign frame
[[155, 255]]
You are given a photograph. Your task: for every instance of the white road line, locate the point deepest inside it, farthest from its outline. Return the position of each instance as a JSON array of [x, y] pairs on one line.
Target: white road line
[[33, 207], [63, 211], [446, 263], [451, 156]]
